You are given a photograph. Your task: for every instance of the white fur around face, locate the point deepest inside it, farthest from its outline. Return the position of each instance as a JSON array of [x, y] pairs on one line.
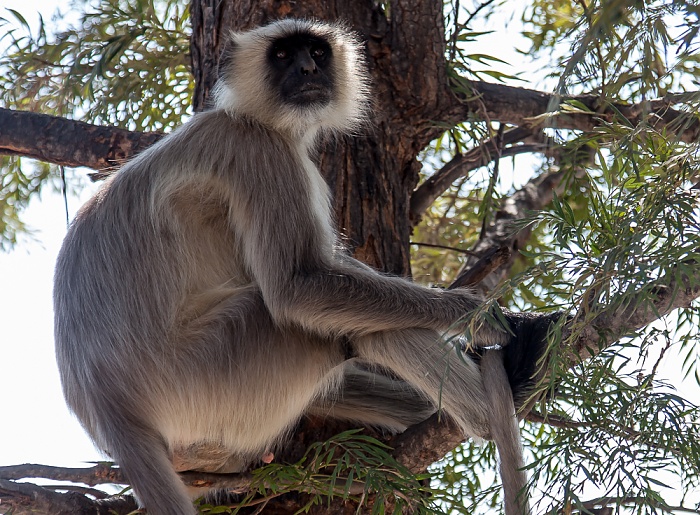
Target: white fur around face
[[243, 88]]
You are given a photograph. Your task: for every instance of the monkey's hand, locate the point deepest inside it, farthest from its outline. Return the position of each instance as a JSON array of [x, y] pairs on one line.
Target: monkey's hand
[[487, 329]]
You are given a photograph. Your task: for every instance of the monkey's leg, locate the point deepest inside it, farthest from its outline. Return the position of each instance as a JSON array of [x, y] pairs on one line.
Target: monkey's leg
[[371, 398], [424, 359], [236, 383]]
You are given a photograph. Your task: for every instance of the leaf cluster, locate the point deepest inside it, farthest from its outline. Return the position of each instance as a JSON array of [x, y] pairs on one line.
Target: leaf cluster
[[349, 466], [123, 62], [619, 49], [624, 432], [619, 432]]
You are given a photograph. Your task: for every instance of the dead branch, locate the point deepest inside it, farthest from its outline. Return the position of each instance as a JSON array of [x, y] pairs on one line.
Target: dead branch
[[26, 498], [100, 474]]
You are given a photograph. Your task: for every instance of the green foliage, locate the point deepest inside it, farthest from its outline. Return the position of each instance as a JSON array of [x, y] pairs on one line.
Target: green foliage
[[450, 223], [16, 187], [619, 431], [616, 428], [348, 466], [122, 62], [621, 48], [623, 223]]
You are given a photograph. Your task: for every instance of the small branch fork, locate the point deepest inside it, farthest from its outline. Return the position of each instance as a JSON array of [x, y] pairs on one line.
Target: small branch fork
[[513, 142]]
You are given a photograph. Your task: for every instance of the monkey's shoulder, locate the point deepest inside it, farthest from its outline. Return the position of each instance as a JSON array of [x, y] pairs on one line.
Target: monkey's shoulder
[[214, 142], [219, 126]]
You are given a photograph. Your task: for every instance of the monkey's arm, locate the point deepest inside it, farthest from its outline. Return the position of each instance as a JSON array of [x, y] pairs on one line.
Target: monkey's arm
[[345, 299], [289, 252]]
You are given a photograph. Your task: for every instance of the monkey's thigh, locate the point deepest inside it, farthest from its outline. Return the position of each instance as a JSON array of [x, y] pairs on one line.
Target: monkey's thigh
[[247, 381], [371, 397], [430, 363]]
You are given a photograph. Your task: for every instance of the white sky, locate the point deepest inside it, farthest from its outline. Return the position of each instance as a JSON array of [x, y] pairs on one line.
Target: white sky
[[35, 425]]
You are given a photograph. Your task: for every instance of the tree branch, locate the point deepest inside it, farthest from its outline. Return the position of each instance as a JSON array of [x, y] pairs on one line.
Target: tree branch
[[529, 108], [73, 143], [68, 142], [105, 473], [100, 474], [602, 505], [30, 498], [26, 498], [673, 291], [424, 196]]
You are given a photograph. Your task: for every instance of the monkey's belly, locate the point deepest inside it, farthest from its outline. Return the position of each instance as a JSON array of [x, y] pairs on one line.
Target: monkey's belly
[[209, 434]]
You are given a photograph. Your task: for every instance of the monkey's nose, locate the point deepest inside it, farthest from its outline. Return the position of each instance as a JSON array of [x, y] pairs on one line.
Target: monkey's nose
[[308, 65]]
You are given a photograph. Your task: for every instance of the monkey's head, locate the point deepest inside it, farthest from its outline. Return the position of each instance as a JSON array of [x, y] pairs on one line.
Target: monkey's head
[[295, 76]]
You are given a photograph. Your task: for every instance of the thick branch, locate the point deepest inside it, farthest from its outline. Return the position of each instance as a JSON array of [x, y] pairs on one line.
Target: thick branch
[[670, 292], [68, 142], [526, 107], [29, 498], [73, 143], [103, 473], [100, 474]]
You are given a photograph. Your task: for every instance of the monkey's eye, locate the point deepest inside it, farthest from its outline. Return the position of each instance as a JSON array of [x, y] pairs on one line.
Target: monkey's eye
[[317, 52], [281, 53]]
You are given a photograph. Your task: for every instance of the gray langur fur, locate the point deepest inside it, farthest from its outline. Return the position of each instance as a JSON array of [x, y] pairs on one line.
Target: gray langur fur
[[203, 304]]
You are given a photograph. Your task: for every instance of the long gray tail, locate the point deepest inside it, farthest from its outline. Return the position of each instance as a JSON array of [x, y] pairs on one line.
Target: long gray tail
[[505, 432], [142, 455]]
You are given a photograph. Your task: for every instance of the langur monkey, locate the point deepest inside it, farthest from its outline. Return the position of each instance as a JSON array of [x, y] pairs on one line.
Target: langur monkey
[[203, 304]]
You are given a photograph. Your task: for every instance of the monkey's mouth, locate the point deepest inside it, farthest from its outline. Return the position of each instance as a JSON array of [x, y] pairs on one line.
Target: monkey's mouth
[[310, 93]]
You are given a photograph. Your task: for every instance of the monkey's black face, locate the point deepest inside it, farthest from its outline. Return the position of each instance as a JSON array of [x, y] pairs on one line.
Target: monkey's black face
[[301, 70]]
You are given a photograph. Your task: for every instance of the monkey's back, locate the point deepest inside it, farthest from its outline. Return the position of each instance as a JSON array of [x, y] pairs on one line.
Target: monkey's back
[[148, 267]]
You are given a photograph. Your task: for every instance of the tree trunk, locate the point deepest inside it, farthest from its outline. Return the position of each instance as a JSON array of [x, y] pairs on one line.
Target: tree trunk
[[372, 176]]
